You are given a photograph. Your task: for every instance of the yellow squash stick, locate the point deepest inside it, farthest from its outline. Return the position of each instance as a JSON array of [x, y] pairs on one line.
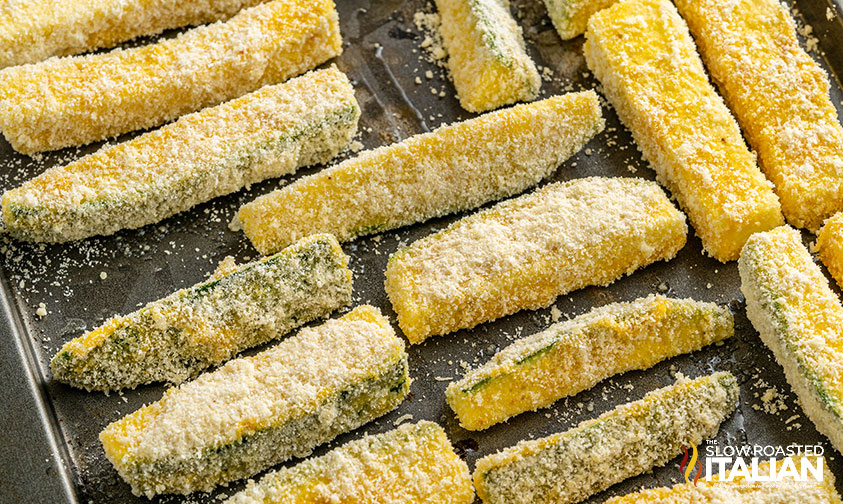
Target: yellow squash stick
[[34, 30], [780, 97], [574, 355], [735, 489], [642, 53], [523, 253], [629, 440], [413, 464], [82, 99], [453, 168], [255, 412], [486, 54], [792, 307]]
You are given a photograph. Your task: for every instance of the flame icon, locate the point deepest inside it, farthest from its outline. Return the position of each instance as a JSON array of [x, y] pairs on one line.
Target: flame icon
[[687, 467]]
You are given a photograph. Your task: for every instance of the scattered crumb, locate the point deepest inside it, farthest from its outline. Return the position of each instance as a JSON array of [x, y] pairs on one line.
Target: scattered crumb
[[103, 275], [402, 419], [555, 314], [42, 310]]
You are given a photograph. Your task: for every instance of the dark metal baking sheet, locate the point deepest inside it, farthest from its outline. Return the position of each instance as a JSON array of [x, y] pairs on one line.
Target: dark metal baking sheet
[[49, 450]]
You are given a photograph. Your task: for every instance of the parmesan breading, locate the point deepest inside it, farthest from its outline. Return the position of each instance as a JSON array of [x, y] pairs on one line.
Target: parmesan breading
[[734, 489], [830, 246], [523, 253], [413, 464], [574, 355], [642, 53], [486, 54], [82, 99], [267, 133], [240, 307], [34, 30], [780, 97], [454, 168], [792, 307], [570, 17], [255, 412], [629, 440]]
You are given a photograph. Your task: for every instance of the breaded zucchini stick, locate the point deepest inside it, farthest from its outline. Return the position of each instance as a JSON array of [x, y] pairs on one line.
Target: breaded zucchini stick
[[34, 30], [83, 99], [175, 338], [570, 17], [631, 439], [780, 97], [412, 464], [454, 168], [736, 490], [792, 307], [267, 133], [575, 355], [830, 246], [642, 53], [486, 54], [255, 412], [523, 253]]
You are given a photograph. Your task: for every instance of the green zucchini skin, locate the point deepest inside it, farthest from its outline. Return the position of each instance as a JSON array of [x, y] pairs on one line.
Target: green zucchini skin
[[175, 338], [355, 406]]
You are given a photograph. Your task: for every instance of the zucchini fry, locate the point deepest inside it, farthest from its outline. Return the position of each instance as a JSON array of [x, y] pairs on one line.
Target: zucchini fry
[[792, 307], [486, 54], [175, 338], [780, 97], [34, 30], [642, 53], [412, 464], [570, 17], [454, 168], [627, 441], [82, 99], [525, 252], [255, 412], [267, 133], [575, 355]]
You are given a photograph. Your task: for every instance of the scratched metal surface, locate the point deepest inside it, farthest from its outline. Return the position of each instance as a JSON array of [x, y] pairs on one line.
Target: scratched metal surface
[[50, 430]]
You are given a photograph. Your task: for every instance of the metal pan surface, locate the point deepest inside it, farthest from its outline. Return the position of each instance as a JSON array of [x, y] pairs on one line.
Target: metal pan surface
[[49, 451]]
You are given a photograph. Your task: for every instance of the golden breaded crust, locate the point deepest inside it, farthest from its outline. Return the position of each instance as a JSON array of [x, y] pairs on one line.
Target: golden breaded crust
[[34, 30], [82, 99], [525, 252], [780, 97], [642, 53]]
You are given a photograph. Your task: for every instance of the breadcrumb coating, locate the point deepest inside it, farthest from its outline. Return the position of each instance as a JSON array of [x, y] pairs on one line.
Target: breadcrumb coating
[[34, 30], [525, 252], [413, 464], [780, 97], [268, 133], [82, 99], [627, 441], [574, 355], [643, 55], [255, 412]]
